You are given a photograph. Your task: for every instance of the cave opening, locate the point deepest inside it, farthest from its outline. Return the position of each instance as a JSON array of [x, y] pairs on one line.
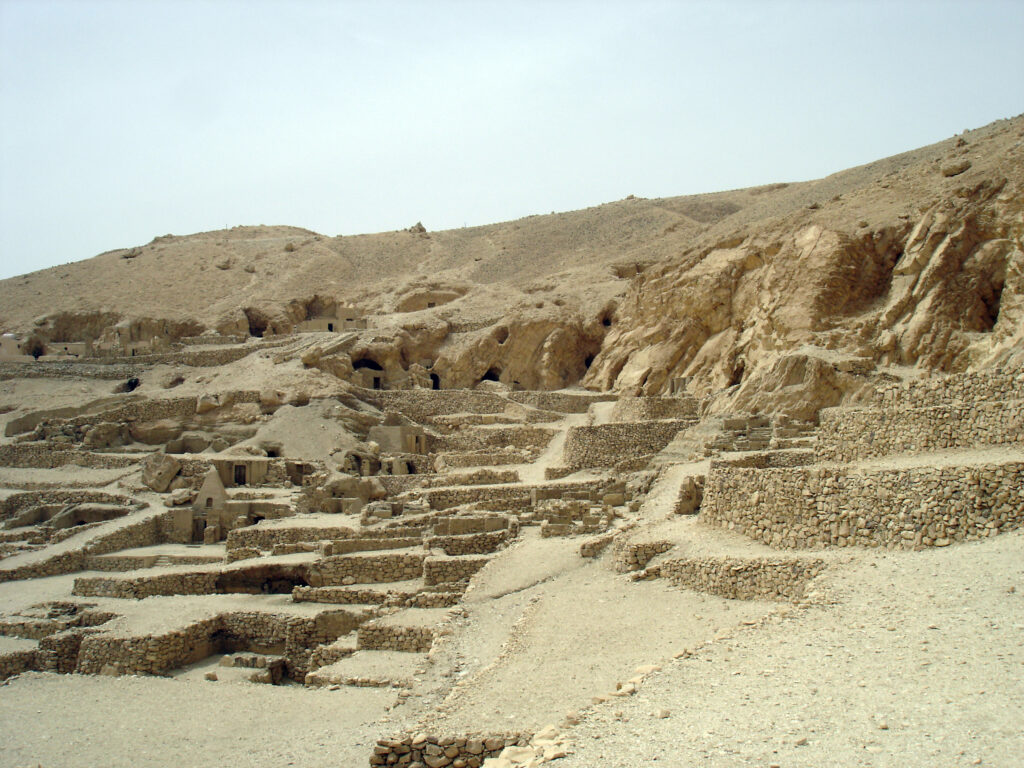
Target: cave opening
[[501, 334], [737, 374], [261, 581], [367, 363], [588, 361], [435, 381], [493, 374], [257, 322]]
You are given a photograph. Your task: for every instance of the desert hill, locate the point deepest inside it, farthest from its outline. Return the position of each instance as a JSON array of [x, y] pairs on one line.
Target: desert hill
[[724, 479], [914, 260]]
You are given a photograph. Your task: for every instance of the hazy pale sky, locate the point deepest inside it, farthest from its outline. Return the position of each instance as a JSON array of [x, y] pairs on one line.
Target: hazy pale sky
[[121, 121]]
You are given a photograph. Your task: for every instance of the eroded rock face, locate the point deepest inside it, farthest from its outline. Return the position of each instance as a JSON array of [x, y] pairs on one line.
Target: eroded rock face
[[796, 317]]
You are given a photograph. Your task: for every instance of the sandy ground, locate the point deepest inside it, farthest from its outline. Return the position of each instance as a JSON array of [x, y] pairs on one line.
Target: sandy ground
[[70, 721], [918, 662]]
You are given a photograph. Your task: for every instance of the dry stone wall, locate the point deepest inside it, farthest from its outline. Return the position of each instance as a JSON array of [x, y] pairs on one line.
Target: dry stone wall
[[380, 636], [744, 579], [439, 570], [851, 435], [604, 445], [631, 409], [632, 556], [418, 751], [895, 508], [469, 544], [45, 456], [367, 569]]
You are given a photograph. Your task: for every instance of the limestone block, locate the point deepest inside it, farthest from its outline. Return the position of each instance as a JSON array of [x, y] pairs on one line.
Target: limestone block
[[158, 470]]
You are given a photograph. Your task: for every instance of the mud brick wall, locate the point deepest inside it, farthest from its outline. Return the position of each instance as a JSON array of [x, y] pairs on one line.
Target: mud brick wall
[[744, 579], [438, 570], [437, 752], [603, 445], [894, 508], [654, 408], [469, 544], [377, 636], [849, 435], [367, 569]]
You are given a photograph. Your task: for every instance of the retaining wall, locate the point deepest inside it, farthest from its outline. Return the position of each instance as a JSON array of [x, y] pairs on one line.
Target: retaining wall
[[744, 579], [604, 445], [830, 506]]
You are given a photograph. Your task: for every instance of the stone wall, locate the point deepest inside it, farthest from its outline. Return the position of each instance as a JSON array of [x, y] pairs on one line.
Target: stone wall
[[477, 477], [438, 752], [193, 583], [482, 458], [603, 445], [293, 637], [15, 661], [423, 405], [632, 556], [146, 532], [484, 438], [266, 537], [972, 387], [469, 544], [390, 597], [439, 570], [45, 456], [348, 546], [744, 579], [561, 402], [367, 569], [826, 506], [379, 636], [849, 435], [631, 409], [18, 501]]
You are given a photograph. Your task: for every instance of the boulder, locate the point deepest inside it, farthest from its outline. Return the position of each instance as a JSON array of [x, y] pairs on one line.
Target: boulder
[[179, 497], [158, 470], [106, 435], [156, 432]]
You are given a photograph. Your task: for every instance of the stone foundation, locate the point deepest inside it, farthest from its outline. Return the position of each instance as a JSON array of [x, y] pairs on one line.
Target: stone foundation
[[440, 570], [827, 506], [743, 579], [437, 752], [603, 445]]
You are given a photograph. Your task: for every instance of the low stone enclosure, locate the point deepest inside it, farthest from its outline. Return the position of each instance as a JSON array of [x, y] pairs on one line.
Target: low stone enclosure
[[815, 507], [376, 584]]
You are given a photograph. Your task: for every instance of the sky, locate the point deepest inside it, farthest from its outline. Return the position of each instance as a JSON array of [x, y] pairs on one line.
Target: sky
[[125, 120]]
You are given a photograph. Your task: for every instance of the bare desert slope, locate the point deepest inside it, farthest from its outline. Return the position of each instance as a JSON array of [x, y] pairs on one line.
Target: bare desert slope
[[770, 295]]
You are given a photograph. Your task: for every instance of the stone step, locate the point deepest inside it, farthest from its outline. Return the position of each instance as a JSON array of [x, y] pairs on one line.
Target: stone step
[[370, 668], [408, 631]]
